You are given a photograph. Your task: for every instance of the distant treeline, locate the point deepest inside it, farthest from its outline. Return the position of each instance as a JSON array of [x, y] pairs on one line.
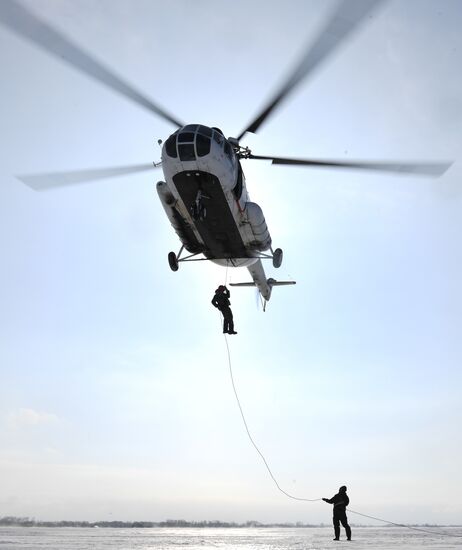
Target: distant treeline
[[30, 522]]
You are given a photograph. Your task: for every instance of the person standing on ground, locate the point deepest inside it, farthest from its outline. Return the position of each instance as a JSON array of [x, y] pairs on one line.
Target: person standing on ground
[[340, 502], [221, 301]]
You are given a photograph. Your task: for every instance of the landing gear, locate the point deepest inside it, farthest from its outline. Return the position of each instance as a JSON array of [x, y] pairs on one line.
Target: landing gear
[[277, 258], [173, 261]]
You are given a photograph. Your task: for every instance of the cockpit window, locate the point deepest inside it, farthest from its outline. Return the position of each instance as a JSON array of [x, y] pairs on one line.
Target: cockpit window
[[218, 138], [190, 127], [205, 131], [186, 151], [191, 141], [202, 145], [185, 136], [170, 146]]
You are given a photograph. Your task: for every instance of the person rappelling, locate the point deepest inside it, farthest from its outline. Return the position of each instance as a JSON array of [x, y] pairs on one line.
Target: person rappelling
[[221, 301], [340, 502]]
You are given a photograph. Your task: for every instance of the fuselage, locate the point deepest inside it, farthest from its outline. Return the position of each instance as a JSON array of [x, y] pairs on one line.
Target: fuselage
[[206, 199]]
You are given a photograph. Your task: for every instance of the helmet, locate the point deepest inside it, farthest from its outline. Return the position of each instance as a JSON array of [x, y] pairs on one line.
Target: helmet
[[220, 288], [343, 488]]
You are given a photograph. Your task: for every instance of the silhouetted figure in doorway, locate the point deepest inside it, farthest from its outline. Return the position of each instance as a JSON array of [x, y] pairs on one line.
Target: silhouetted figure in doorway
[[221, 301], [340, 502]]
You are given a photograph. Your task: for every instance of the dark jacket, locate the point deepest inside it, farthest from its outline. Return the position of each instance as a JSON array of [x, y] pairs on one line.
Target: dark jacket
[[340, 501], [221, 299]]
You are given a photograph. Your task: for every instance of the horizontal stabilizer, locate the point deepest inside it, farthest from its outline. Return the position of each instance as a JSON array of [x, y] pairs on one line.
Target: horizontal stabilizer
[[264, 286], [273, 282]]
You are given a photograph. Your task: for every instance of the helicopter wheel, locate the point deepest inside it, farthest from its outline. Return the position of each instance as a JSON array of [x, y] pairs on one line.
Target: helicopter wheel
[[277, 258], [173, 261]]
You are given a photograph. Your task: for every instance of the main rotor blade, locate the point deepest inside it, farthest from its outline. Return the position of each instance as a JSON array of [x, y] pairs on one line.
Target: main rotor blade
[[43, 182], [347, 17], [422, 168], [21, 21]]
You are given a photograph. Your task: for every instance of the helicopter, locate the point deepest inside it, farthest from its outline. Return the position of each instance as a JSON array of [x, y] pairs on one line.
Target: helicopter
[[204, 194]]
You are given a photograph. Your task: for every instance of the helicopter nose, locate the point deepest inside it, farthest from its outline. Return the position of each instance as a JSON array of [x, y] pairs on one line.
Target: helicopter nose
[[189, 142]]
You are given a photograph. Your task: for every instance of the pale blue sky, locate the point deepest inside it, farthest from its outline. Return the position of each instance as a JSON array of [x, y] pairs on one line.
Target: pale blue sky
[[115, 398]]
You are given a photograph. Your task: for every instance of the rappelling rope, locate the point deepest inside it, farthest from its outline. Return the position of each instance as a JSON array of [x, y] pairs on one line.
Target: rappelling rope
[[251, 438], [441, 533]]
